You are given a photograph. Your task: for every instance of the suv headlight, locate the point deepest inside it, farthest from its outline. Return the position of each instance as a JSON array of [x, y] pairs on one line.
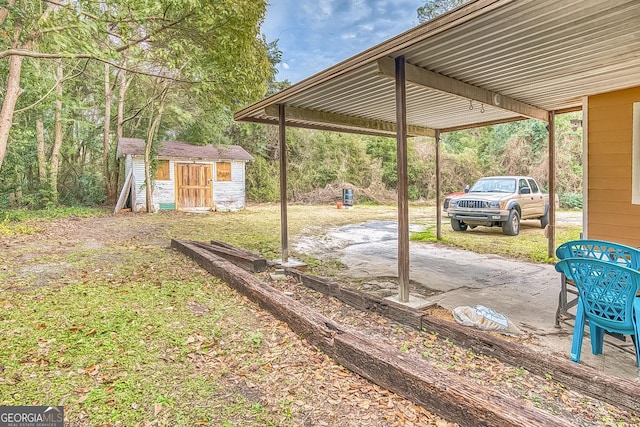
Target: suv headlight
[[494, 205], [453, 203]]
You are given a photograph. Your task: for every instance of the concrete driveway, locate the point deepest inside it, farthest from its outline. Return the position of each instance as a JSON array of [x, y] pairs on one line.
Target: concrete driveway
[[527, 293]]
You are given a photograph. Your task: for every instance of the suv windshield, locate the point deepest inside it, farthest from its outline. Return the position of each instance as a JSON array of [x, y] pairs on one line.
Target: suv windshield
[[494, 185]]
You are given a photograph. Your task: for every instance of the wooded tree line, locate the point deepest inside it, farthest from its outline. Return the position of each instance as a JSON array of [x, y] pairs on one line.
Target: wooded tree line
[[319, 159], [76, 76]]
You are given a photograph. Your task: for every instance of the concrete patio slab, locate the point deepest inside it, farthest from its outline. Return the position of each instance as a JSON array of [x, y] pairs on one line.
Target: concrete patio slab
[[527, 293]]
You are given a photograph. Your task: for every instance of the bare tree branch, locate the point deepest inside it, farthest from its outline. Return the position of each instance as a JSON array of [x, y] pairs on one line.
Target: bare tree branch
[[63, 5], [148, 36], [40, 55], [133, 42], [52, 89], [141, 109], [32, 54]]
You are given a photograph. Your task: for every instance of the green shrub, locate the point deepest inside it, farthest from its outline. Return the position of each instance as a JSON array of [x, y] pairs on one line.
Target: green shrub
[[571, 201]]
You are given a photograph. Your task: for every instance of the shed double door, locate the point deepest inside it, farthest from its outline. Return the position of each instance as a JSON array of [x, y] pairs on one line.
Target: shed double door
[[194, 186]]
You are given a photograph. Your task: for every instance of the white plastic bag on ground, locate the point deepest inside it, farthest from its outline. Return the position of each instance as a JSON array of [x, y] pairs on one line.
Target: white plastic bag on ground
[[485, 318]]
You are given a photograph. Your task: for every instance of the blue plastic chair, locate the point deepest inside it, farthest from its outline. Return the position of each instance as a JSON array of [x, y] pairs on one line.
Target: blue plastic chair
[[607, 298], [596, 249], [602, 250]]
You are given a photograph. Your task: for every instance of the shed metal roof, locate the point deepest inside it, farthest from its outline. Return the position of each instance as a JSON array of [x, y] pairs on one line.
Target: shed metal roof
[[177, 149], [486, 62]]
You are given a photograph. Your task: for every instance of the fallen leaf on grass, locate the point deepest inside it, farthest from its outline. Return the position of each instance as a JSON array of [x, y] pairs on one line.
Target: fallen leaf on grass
[[92, 370]]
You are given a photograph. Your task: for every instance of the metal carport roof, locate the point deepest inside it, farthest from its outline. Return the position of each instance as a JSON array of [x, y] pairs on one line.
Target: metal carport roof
[[536, 55]]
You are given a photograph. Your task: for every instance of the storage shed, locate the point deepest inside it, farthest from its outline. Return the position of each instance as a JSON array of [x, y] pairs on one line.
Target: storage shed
[[187, 177]]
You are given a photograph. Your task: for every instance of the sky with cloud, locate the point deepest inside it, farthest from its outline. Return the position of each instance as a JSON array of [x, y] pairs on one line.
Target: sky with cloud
[[315, 34]]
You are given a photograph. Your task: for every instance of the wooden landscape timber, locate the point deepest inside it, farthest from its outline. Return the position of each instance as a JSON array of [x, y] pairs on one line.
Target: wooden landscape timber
[[619, 392], [238, 257], [446, 394]]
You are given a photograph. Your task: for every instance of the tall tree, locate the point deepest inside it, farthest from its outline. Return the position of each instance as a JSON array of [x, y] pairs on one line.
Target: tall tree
[[57, 136], [434, 8], [29, 22], [155, 117]]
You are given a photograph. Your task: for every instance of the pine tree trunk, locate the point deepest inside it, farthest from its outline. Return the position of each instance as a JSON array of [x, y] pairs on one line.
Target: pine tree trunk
[[151, 134], [106, 143], [153, 129], [9, 103], [124, 85], [42, 169], [148, 185], [57, 137]]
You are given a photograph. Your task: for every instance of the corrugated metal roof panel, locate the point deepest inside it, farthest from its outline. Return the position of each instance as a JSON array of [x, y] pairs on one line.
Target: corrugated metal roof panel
[[545, 53]]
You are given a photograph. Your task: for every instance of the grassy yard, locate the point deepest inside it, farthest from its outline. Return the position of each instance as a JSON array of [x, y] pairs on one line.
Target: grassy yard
[[530, 244], [98, 314]]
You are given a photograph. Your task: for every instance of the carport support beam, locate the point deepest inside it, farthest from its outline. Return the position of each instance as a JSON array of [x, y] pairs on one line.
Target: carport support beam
[[282, 142], [552, 186], [438, 192], [403, 191]]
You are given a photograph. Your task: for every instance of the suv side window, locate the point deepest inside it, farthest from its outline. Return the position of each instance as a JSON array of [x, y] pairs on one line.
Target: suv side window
[[522, 184], [534, 186]]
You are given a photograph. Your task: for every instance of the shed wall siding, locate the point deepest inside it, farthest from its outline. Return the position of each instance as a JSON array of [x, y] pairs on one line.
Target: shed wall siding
[[128, 164], [138, 179], [611, 215], [229, 195], [163, 192]]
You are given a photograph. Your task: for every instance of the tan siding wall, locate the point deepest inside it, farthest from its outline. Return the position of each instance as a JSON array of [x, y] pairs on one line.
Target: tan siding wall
[[611, 215]]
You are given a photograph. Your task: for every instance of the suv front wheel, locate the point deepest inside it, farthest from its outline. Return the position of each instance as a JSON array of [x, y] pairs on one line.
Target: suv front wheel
[[544, 220], [511, 227], [458, 225]]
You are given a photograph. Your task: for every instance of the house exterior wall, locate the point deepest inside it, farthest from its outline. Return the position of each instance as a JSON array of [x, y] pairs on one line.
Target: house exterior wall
[[229, 195], [611, 215]]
